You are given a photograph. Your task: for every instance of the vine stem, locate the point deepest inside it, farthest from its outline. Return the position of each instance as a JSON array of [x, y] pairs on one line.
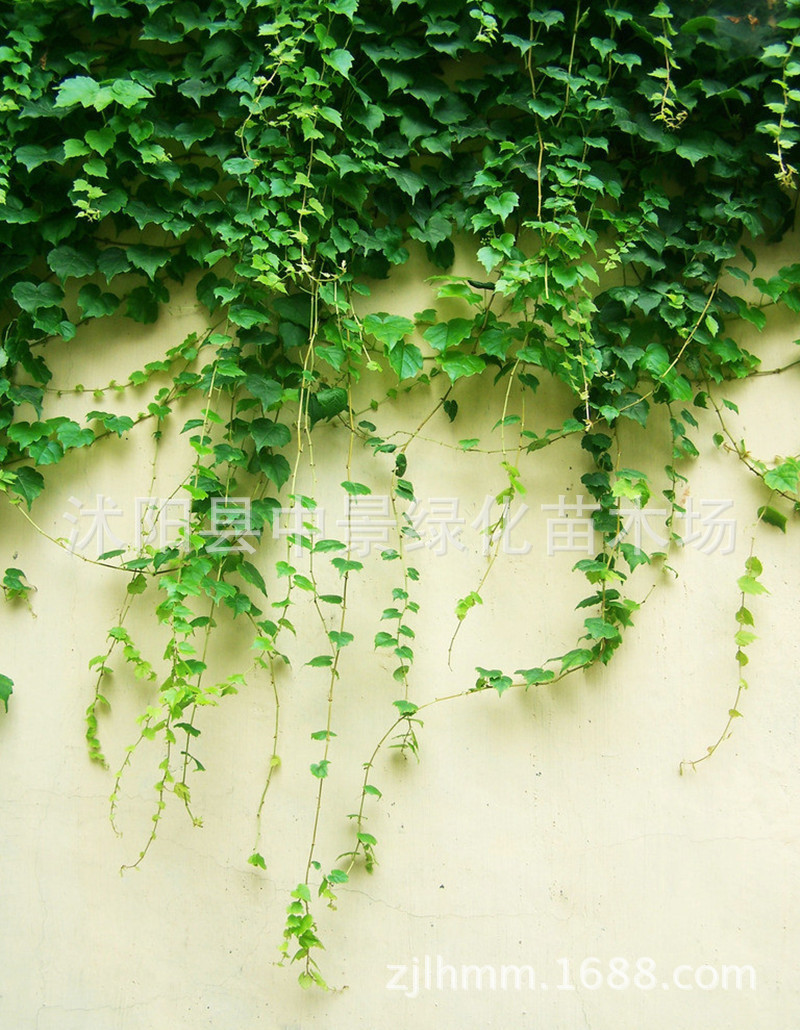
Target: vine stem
[[332, 679], [776, 371], [733, 713], [445, 698], [303, 430], [741, 451], [414, 433], [161, 789], [501, 520], [274, 760], [401, 548]]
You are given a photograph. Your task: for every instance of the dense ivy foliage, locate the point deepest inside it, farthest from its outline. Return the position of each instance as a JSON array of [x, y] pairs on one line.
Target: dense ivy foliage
[[283, 155]]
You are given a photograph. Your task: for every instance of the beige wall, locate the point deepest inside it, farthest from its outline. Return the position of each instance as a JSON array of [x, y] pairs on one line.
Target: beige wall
[[542, 826]]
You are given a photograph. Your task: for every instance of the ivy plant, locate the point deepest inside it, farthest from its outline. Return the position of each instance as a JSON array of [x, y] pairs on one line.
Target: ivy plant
[[612, 170]]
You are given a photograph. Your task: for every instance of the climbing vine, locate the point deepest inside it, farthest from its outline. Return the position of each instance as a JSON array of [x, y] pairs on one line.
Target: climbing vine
[[609, 169]]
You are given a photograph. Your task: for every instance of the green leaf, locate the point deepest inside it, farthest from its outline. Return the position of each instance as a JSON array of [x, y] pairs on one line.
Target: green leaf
[[544, 108], [251, 574], [503, 205], [750, 585], [406, 708], [112, 261], [266, 390], [634, 407], [324, 546], [450, 408], [656, 360], [96, 304], [34, 296], [406, 360], [634, 555], [753, 566], [326, 403], [6, 690], [101, 140], [275, 467], [340, 639], [389, 329], [464, 604], [137, 585], [346, 7], [257, 860], [128, 93], [458, 366], [599, 629], [341, 60], [500, 684], [33, 156], [408, 181], [46, 452], [699, 24], [533, 676], [79, 90], [13, 583], [750, 314], [322, 661], [463, 292], [783, 478], [772, 517], [266, 433], [26, 433], [75, 148], [494, 679], [142, 305], [355, 488], [66, 262], [118, 424], [576, 659], [320, 769], [509, 420], [28, 483], [692, 151], [345, 565], [444, 335], [149, 259]]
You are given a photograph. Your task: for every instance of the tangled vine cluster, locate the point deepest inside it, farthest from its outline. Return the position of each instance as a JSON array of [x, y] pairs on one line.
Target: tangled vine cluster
[[612, 167]]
